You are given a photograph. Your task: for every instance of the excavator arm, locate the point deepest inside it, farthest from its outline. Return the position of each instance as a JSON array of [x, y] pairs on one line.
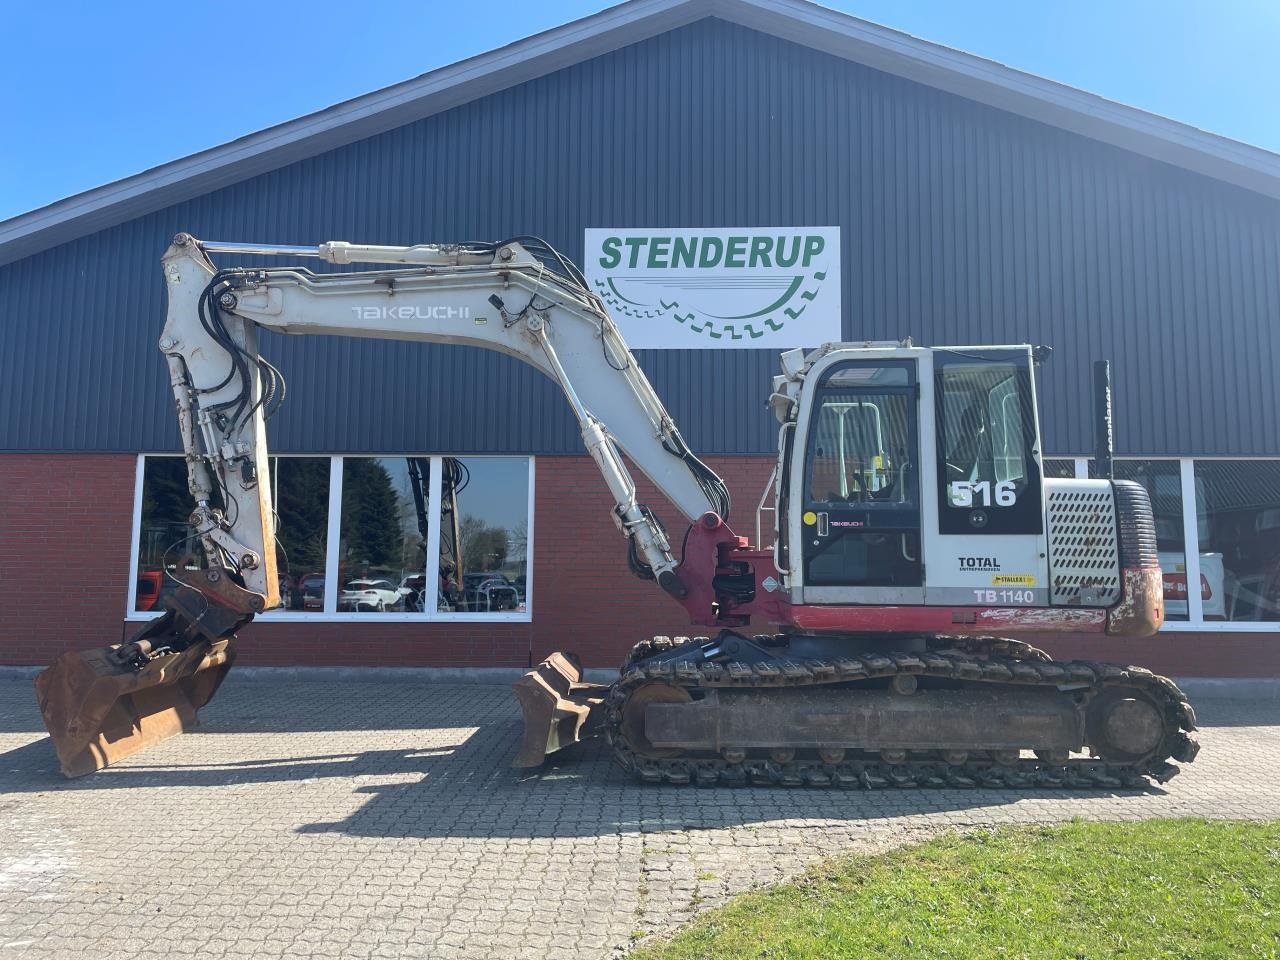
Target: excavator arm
[[518, 297], [497, 296]]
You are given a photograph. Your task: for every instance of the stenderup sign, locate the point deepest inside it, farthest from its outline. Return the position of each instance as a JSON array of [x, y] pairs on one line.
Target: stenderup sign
[[775, 287]]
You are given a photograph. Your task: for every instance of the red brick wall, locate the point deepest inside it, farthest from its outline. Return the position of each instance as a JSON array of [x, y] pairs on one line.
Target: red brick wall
[[64, 552], [64, 560], [585, 598]]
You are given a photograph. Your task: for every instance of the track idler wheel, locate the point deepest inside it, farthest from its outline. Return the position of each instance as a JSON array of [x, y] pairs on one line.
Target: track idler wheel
[[1124, 725], [633, 711]]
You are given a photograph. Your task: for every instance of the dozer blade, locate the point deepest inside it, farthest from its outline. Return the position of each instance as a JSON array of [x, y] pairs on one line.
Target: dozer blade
[[99, 709], [559, 708]]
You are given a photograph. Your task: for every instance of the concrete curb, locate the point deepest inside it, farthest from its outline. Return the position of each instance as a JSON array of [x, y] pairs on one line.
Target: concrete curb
[[1235, 688], [1209, 688], [497, 675], [501, 675]]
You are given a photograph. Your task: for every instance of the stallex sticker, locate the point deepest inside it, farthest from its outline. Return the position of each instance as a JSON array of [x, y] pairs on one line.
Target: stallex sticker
[[1013, 580], [692, 287]]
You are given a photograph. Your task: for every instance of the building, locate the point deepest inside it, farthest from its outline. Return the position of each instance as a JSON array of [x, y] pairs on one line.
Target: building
[[972, 204]]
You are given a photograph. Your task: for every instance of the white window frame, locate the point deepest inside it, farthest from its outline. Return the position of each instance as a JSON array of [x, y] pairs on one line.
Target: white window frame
[[1195, 622], [333, 536]]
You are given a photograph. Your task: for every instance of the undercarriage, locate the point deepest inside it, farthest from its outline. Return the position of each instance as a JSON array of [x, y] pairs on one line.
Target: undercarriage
[[863, 712]]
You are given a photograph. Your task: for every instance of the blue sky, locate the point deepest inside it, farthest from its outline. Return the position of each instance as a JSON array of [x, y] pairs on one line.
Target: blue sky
[[91, 92]]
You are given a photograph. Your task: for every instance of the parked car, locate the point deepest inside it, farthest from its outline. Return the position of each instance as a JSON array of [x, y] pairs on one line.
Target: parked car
[[311, 591], [489, 592], [367, 595]]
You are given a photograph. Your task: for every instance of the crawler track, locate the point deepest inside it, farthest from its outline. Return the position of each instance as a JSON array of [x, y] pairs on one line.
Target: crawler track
[[956, 660]]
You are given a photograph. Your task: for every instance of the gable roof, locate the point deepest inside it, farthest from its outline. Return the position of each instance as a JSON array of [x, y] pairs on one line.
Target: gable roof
[[799, 21]]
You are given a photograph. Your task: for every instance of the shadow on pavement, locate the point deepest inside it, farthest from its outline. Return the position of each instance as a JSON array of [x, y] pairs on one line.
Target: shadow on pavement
[[460, 783], [467, 790]]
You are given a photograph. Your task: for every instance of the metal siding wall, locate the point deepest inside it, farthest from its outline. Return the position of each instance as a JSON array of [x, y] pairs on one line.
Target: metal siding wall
[[961, 224]]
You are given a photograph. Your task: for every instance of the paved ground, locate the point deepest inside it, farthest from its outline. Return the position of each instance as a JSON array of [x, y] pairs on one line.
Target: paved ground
[[379, 819]]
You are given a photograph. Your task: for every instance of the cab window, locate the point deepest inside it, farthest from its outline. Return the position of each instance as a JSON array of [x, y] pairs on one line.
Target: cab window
[[861, 437], [989, 481]]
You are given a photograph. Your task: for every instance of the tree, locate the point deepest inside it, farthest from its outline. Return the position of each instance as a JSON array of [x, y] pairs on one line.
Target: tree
[[302, 504], [370, 515], [483, 547], [166, 505]]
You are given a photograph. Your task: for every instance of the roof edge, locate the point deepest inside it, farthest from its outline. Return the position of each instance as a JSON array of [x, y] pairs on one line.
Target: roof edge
[[1007, 88], [799, 21]]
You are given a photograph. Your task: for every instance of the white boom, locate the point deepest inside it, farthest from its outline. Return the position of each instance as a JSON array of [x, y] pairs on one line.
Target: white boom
[[497, 296]]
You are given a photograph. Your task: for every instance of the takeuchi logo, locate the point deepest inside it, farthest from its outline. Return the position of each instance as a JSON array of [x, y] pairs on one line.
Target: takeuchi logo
[[723, 285]]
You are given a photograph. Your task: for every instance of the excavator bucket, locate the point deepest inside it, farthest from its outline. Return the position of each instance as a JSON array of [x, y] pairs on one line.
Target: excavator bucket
[[99, 709], [559, 708], [103, 705]]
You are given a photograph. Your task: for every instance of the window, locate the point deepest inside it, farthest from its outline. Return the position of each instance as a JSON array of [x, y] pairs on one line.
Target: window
[[988, 478], [300, 493], [1232, 509], [1163, 482], [487, 569], [355, 536], [1238, 526], [383, 546], [165, 540], [861, 438]]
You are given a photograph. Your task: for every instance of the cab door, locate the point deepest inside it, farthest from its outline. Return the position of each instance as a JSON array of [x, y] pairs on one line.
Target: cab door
[[989, 549], [860, 499]]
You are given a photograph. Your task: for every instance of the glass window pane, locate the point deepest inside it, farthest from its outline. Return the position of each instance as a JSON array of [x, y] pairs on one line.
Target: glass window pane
[[484, 560], [1062, 469], [382, 554], [164, 536], [988, 480], [860, 448], [1238, 521], [1163, 482], [300, 491], [982, 414]]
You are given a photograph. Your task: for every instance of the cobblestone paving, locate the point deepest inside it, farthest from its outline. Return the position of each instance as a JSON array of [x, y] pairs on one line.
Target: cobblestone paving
[[380, 819]]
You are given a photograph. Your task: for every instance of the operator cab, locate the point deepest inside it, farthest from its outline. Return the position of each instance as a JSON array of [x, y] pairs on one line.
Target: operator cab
[[912, 476]]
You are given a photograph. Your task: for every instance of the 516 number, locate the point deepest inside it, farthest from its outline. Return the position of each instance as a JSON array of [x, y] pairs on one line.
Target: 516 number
[[982, 493]]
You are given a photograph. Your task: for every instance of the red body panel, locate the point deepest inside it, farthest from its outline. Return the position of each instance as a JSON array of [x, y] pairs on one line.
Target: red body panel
[[716, 558], [937, 620]]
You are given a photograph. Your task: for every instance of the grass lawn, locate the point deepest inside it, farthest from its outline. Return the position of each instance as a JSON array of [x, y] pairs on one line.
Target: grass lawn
[[1162, 888]]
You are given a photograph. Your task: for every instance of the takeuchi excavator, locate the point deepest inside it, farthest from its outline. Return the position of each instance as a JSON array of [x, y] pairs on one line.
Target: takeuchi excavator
[[884, 638]]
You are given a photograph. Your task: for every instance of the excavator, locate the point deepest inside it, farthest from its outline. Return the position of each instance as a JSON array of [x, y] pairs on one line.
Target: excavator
[[918, 546]]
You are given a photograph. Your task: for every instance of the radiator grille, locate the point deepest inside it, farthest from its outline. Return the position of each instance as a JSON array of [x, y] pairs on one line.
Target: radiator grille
[[1084, 561]]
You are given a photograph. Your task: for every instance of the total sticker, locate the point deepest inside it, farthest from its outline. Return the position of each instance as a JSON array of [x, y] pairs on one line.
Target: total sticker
[[1013, 580]]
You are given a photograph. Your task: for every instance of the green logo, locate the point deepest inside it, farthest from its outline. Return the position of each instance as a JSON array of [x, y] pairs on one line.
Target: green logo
[[759, 287]]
